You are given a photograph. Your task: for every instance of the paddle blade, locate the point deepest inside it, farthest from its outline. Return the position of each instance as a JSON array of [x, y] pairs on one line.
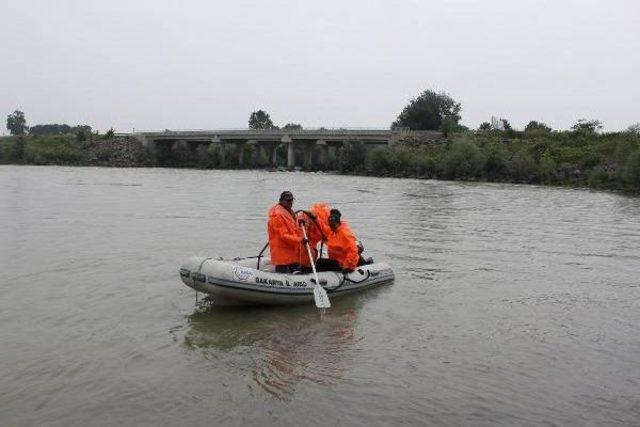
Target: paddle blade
[[321, 297]]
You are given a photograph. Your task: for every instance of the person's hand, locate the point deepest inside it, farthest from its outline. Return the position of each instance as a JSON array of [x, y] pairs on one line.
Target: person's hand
[[305, 241], [301, 222]]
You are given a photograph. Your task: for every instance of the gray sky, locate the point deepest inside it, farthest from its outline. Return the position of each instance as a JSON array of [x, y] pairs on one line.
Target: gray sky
[[156, 64]]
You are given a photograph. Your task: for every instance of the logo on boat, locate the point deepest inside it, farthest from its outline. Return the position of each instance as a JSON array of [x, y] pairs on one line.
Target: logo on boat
[[242, 273]]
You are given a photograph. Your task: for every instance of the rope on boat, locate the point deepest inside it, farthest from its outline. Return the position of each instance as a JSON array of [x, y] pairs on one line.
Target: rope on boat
[[346, 279]]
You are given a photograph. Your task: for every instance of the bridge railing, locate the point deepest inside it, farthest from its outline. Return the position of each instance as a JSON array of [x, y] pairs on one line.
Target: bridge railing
[[325, 130]]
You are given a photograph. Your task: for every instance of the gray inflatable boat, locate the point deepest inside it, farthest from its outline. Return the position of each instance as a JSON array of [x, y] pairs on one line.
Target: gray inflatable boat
[[247, 281]]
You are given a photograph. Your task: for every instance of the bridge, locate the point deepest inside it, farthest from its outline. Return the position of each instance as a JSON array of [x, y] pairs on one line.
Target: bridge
[[319, 140]]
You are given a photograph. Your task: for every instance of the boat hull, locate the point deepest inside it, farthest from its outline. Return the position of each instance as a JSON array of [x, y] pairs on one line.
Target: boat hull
[[238, 282]]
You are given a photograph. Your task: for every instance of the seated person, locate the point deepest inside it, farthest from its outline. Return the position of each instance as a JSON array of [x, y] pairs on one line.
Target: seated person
[[341, 245]]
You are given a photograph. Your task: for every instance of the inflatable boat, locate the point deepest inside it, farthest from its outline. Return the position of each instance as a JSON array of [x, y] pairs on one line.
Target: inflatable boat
[[247, 281]]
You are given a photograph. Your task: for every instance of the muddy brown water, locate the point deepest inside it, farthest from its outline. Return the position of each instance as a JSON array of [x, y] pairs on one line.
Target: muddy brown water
[[512, 305]]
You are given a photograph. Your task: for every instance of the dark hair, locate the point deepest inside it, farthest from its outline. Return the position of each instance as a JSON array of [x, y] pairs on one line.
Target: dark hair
[[286, 195], [335, 215]]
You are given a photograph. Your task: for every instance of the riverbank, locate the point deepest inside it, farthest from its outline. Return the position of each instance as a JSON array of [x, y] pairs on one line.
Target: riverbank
[[603, 161]]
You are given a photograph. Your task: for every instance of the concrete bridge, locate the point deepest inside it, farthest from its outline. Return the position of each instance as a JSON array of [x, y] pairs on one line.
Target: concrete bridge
[[321, 140]]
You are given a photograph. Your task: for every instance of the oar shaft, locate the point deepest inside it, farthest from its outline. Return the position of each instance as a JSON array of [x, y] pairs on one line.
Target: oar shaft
[[313, 264], [319, 294]]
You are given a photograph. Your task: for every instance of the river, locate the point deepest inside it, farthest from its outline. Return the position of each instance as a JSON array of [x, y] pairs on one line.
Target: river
[[512, 304]]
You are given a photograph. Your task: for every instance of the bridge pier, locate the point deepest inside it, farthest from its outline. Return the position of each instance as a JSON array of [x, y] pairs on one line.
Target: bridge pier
[[274, 154], [323, 153], [240, 148], [308, 156], [220, 146], [291, 155]]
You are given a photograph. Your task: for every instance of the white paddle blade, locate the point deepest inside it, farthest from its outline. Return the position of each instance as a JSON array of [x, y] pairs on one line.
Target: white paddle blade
[[321, 297]]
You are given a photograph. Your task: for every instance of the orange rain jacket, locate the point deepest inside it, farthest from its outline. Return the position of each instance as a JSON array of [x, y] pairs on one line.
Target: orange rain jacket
[[284, 236], [341, 244], [314, 235]]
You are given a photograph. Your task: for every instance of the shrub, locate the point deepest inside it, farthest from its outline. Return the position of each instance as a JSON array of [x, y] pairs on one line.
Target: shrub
[[522, 167], [378, 160], [599, 178], [424, 165], [462, 160], [547, 168], [352, 158], [495, 162], [631, 171], [51, 150]]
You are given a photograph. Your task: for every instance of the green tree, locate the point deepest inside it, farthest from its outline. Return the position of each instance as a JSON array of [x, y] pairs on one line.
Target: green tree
[[634, 129], [447, 126], [109, 134], [81, 136], [586, 127], [16, 123], [484, 127], [260, 120], [292, 126], [428, 112], [537, 127], [49, 129]]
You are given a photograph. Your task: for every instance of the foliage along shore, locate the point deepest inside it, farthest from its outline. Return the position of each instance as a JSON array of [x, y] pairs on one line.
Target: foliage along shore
[[608, 161]]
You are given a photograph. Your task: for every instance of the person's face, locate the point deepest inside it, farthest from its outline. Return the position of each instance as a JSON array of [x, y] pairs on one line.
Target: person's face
[[333, 224], [287, 202]]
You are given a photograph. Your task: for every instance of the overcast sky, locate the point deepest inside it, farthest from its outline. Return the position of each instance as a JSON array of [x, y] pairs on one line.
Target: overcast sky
[[156, 64]]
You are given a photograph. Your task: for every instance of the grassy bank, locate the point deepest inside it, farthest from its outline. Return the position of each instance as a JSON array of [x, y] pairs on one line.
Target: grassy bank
[[603, 161], [609, 161]]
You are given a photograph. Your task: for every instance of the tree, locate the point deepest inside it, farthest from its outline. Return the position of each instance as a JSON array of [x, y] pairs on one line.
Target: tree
[[428, 112], [484, 127], [538, 127], [49, 129], [260, 120], [634, 129], [81, 136], [109, 134], [292, 126], [447, 127], [16, 123], [583, 126]]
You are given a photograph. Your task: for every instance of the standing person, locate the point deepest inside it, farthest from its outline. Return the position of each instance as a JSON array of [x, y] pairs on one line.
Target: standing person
[[341, 244], [285, 237]]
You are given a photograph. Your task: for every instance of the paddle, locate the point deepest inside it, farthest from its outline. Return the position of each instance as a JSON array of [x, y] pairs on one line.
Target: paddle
[[319, 294]]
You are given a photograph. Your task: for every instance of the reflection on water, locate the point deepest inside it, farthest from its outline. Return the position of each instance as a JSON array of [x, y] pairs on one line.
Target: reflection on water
[[285, 345]]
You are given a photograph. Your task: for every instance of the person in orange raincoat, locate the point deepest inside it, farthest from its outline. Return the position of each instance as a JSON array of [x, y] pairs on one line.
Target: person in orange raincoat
[[341, 244], [285, 236]]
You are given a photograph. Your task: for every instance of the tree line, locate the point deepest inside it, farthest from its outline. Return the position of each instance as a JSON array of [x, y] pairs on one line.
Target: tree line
[[495, 151]]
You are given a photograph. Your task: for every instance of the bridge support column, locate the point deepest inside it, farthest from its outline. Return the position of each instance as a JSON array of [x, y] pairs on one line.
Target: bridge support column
[[274, 155], [339, 151], [323, 157], [240, 148], [217, 142], [308, 156], [291, 155]]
